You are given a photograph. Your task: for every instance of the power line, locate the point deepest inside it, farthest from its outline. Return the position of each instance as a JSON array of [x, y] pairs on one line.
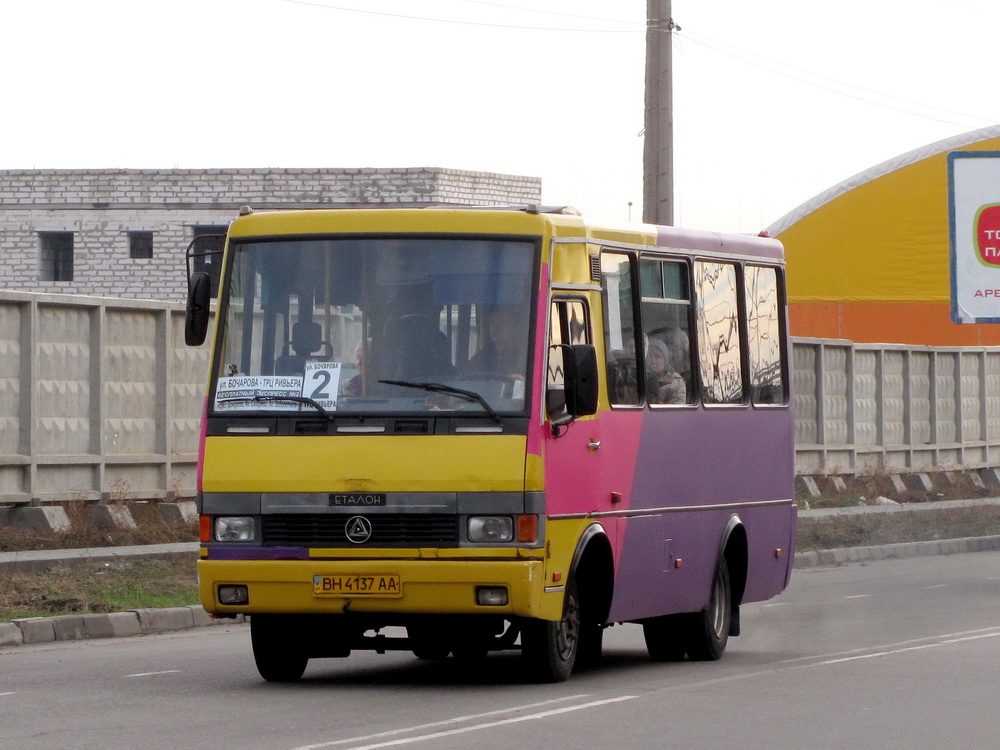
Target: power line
[[640, 25], [803, 76], [385, 14]]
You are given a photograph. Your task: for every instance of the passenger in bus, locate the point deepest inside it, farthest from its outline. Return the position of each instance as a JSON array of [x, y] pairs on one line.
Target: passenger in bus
[[353, 386], [506, 344], [663, 384], [680, 352]]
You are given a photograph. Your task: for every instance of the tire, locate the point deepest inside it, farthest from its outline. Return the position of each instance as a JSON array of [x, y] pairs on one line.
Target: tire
[[709, 629], [278, 652], [550, 648], [427, 643], [591, 644], [666, 637]]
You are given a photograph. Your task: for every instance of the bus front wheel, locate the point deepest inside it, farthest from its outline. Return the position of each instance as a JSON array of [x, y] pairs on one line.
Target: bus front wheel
[[276, 649], [550, 648]]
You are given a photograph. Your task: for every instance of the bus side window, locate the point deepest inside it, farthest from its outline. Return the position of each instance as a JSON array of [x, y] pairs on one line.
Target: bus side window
[[665, 314], [620, 329], [717, 317], [763, 298], [568, 324]]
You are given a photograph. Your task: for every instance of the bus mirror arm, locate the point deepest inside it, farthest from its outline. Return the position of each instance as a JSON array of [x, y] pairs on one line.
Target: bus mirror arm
[[198, 307], [580, 362]]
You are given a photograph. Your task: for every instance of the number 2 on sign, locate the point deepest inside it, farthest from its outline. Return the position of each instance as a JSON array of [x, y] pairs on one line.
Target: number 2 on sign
[[322, 383]]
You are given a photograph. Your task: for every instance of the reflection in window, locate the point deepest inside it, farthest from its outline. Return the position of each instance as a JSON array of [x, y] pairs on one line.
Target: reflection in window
[[717, 319], [568, 325], [764, 336], [665, 314], [619, 329]]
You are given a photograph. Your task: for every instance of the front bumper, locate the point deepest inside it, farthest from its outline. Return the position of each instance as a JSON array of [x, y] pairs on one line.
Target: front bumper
[[439, 587]]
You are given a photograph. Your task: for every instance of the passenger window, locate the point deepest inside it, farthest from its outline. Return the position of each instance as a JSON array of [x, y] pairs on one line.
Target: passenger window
[[764, 344], [666, 311], [620, 329], [717, 319], [568, 324]]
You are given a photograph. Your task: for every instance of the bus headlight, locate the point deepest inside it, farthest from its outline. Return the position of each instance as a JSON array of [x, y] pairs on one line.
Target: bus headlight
[[491, 529], [234, 529]]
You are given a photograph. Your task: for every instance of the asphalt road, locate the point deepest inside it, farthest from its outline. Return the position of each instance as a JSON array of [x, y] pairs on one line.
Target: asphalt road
[[891, 654]]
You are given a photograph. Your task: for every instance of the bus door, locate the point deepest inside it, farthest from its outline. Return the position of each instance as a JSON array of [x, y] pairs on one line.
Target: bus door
[[588, 460]]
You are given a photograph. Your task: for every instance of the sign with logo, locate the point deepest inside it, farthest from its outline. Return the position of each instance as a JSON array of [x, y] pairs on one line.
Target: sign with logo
[[974, 216]]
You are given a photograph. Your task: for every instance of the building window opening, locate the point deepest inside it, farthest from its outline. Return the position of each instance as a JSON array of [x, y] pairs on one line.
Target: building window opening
[[55, 256], [210, 239], [140, 245]]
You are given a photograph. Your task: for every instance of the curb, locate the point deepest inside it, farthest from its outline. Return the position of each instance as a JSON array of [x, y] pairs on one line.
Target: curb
[[36, 561], [33, 630], [845, 555]]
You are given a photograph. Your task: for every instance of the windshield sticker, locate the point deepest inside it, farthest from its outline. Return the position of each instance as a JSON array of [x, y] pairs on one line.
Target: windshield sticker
[[258, 392], [266, 392]]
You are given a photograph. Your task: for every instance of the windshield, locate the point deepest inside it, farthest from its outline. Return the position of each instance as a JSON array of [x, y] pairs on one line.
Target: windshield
[[376, 325]]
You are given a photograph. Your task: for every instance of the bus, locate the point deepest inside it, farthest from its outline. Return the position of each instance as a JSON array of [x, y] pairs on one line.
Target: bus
[[453, 431]]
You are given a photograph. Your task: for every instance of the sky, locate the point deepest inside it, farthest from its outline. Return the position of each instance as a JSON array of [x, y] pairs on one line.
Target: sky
[[774, 100]]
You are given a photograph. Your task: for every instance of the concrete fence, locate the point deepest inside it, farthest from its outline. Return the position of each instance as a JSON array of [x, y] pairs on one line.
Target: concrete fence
[[867, 408], [100, 399]]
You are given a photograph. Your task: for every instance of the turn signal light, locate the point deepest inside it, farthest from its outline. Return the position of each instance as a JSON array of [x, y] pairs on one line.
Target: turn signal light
[[527, 529]]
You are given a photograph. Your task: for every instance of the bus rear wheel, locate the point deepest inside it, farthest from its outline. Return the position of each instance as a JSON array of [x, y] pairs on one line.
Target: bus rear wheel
[[701, 635], [709, 629], [550, 648], [276, 648]]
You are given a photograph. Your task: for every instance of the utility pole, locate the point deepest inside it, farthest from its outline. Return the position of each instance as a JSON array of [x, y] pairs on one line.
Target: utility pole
[[658, 146]]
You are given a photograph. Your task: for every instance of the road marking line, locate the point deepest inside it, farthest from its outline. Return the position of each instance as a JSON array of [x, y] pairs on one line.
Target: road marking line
[[936, 586], [461, 719], [893, 652], [10, 693], [150, 674], [807, 661], [859, 596]]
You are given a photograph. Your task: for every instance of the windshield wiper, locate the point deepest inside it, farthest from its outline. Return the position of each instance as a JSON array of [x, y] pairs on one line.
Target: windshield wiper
[[260, 398], [451, 390]]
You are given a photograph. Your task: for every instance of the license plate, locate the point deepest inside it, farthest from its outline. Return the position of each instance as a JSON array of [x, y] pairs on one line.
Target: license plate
[[357, 585]]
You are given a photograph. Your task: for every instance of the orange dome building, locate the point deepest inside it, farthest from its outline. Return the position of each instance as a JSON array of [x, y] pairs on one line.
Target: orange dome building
[[869, 260]]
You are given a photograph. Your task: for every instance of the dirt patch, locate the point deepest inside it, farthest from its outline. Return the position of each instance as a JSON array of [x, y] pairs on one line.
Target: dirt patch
[[99, 587]]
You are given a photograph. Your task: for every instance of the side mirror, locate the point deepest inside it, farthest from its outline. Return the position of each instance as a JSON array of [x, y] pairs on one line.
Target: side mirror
[[580, 362], [198, 307]]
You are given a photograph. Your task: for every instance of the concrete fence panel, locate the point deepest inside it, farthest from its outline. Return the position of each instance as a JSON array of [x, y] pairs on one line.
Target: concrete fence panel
[[99, 399]]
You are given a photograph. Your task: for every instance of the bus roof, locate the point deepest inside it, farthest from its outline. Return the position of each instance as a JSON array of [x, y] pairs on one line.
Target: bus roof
[[564, 222]]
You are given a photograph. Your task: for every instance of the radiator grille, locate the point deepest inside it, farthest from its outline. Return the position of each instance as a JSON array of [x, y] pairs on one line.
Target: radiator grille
[[388, 530]]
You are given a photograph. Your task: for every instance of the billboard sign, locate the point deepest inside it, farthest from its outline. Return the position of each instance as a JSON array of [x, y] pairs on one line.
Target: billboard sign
[[974, 218]]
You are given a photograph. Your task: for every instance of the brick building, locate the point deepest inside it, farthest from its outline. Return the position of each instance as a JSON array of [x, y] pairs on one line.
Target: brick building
[[123, 232]]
